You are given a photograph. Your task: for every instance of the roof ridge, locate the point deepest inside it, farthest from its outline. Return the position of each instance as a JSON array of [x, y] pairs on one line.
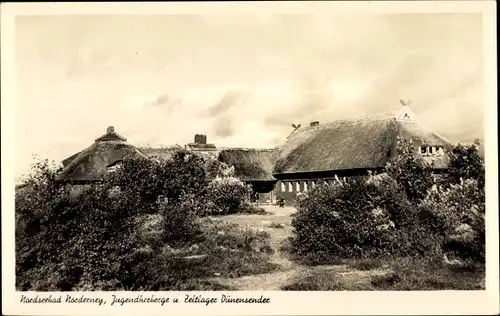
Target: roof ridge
[[251, 148], [378, 116], [157, 146]]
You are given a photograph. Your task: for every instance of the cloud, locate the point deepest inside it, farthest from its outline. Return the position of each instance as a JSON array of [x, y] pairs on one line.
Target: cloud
[[224, 127], [230, 99], [243, 81]]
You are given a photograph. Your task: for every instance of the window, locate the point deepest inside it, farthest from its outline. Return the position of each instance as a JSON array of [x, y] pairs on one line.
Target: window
[[313, 184], [297, 186], [305, 186], [290, 187], [424, 150], [283, 187], [431, 150], [440, 151]]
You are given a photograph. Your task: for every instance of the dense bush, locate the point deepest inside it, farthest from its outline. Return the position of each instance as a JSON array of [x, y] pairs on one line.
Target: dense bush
[[359, 219], [466, 163], [410, 171], [111, 235], [215, 168], [460, 210], [401, 212], [227, 195], [145, 179]]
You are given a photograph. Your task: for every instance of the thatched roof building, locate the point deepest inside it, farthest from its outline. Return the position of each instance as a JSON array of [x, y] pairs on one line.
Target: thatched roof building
[[163, 152], [92, 163], [250, 164], [356, 145]]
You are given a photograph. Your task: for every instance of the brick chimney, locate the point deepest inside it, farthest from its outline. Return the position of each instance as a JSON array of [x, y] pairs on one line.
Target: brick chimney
[[314, 124], [200, 139]]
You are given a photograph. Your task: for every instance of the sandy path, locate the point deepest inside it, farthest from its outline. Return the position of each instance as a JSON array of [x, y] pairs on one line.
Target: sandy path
[[288, 269]]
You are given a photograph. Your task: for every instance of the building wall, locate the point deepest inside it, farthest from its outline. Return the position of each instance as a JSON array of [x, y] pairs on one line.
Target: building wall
[[288, 189]]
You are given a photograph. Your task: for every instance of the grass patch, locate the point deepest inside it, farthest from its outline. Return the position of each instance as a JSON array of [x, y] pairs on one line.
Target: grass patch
[[231, 252], [255, 209], [366, 264], [308, 259], [220, 250], [326, 281], [405, 274], [422, 275], [197, 285], [277, 225]]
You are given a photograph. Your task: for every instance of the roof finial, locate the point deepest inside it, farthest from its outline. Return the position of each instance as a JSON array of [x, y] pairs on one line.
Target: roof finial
[[404, 103], [110, 129], [296, 127]]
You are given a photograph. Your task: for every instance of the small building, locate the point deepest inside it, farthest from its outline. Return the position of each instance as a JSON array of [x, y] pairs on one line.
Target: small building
[[254, 167], [326, 152], [201, 147], [103, 156]]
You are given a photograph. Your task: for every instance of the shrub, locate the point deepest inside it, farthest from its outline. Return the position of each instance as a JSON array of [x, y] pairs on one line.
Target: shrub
[[216, 168], [180, 223], [460, 210], [410, 171], [110, 235], [361, 218], [401, 212], [227, 196], [76, 237], [466, 163], [145, 179], [92, 236]]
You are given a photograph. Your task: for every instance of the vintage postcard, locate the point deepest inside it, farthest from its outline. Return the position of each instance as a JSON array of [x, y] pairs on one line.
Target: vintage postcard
[[249, 158]]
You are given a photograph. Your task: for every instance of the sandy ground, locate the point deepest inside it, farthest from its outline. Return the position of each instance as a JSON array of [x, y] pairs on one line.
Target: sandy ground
[[289, 270]]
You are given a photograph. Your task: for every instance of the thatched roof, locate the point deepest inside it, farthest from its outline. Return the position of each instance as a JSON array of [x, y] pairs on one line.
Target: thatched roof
[[158, 152], [91, 164], [250, 164], [363, 143]]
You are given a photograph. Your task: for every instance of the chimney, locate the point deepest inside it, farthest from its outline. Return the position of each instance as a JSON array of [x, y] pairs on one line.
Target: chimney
[[314, 123], [200, 139]]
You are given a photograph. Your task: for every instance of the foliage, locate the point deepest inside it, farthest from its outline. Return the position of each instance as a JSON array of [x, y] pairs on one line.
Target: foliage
[[466, 163], [145, 179], [359, 219], [410, 171], [460, 210], [227, 196], [215, 168], [112, 235]]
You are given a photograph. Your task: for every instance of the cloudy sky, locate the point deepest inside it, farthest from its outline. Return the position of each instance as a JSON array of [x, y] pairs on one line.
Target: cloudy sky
[[242, 80]]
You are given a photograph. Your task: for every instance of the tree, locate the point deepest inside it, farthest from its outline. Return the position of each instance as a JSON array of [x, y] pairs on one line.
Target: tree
[[466, 163]]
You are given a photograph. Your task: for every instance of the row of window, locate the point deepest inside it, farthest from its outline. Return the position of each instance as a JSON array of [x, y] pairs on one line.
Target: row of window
[[431, 151], [294, 186]]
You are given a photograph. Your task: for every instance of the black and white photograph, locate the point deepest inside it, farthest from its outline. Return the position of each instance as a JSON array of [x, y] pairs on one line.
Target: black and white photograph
[[249, 152]]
